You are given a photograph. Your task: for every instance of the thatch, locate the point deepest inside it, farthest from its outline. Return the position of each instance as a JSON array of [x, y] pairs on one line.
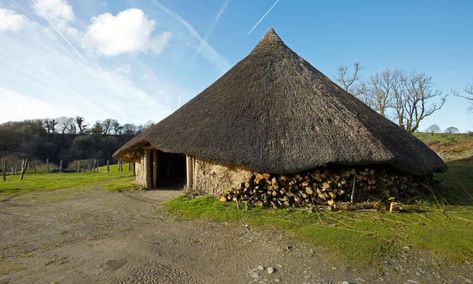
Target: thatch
[[274, 112]]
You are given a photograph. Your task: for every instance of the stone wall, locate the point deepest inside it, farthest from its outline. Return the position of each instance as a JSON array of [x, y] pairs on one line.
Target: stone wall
[[216, 179]]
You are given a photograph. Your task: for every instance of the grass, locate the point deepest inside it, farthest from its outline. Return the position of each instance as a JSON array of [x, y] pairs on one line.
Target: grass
[[449, 146], [444, 137], [114, 180], [442, 224]]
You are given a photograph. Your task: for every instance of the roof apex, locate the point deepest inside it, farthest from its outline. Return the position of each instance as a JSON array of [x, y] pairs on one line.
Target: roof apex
[[270, 39]]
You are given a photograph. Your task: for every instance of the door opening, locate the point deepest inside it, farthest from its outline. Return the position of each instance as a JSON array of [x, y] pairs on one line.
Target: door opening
[[171, 170]]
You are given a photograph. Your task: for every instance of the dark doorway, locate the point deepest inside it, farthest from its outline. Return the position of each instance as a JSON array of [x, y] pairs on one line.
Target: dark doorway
[[171, 170]]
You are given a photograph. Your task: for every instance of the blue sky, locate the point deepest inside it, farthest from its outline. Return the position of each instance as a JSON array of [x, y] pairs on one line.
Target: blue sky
[[140, 60]]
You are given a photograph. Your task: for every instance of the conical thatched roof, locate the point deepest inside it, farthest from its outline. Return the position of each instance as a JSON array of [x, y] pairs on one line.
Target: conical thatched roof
[[274, 112]]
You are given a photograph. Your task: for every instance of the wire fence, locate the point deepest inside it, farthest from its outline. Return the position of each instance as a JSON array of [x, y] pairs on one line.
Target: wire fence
[[20, 167]]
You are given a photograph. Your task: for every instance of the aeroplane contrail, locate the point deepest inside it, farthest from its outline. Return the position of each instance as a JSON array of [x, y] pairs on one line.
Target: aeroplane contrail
[[262, 18]]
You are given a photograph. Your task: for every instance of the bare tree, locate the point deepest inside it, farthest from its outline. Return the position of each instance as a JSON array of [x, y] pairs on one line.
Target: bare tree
[[451, 130], [50, 125], [382, 88], [117, 128], [414, 100], [66, 124], [434, 128], [81, 126], [129, 129], [47, 125], [363, 93], [468, 96], [346, 78], [107, 126]]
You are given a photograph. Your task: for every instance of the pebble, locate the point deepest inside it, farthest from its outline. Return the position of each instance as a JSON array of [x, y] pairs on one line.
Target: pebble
[[344, 282], [260, 267], [277, 280], [270, 270], [254, 274]]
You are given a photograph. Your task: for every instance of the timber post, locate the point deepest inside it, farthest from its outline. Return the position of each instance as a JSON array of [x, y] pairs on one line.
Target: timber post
[[189, 172], [4, 171], [155, 168], [147, 168], [24, 166]]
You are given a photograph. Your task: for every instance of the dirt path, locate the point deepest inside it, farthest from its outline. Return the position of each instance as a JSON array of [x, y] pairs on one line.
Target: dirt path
[[93, 236]]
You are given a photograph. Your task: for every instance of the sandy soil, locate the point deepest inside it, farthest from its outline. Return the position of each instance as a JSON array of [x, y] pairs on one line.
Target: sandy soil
[[93, 236]]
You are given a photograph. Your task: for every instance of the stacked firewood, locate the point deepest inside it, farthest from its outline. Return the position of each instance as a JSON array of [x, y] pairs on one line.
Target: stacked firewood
[[336, 188]]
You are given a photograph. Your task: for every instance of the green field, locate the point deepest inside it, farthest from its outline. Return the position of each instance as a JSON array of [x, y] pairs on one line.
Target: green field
[[113, 180]]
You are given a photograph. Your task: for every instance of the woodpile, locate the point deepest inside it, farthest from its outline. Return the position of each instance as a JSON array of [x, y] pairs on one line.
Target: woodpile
[[349, 189]]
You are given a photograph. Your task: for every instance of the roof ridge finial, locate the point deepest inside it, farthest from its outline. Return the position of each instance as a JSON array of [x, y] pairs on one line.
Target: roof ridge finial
[[270, 38], [271, 34]]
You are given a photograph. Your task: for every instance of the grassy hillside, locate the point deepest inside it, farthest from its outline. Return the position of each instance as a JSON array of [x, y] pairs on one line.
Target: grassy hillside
[[449, 146]]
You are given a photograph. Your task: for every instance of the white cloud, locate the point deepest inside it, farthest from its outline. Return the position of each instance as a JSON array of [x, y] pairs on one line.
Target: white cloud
[[158, 43], [51, 81], [11, 21], [128, 32], [54, 10]]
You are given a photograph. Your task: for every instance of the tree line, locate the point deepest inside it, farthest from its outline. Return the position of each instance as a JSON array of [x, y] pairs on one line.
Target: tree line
[[406, 98], [65, 138], [78, 125]]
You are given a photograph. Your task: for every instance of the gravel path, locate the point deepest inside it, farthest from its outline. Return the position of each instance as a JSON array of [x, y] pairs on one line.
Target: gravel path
[[94, 236]]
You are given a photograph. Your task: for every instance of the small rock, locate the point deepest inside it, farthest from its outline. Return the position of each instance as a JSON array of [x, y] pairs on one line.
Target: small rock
[[412, 281], [277, 280], [344, 282], [254, 274], [260, 267], [270, 270], [334, 268]]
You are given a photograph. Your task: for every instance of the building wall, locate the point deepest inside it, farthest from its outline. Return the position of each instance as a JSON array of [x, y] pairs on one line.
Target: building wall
[[140, 177], [207, 177], [215, 179]]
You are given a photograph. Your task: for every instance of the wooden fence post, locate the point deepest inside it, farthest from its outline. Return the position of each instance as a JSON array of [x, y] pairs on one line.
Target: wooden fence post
[[4, 171], [129, 166], [24, 166], [119, 166], [60, 166], [78, 166], [94, 167], [108, 166], [47, 165]]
